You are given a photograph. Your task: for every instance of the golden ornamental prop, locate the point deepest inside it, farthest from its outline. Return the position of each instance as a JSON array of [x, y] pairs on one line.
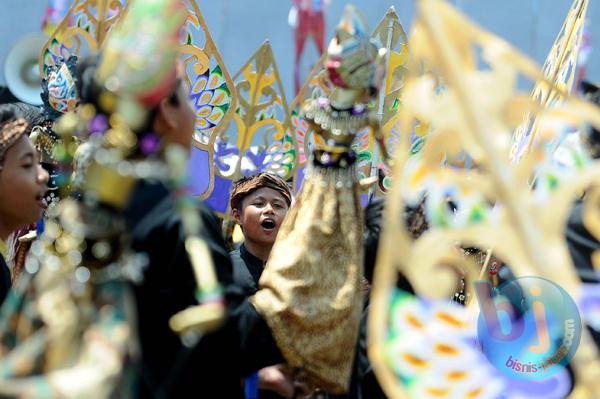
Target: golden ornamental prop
[[82, 30], [525, 229], [212, 93]]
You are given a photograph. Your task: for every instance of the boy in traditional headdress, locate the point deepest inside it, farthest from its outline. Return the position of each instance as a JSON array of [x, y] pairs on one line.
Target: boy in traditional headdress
[[258, 204], [59, 96]]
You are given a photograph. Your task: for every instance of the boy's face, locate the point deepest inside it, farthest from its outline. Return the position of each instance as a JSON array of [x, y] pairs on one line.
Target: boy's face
[[23, 183], [261, 215]]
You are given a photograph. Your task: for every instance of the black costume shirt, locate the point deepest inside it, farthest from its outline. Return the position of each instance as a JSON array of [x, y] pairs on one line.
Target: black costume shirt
[[247, 268], [581, 244]]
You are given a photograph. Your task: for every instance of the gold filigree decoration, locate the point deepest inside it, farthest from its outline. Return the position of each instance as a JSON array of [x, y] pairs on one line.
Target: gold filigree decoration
[[390, 35], [256, 142]]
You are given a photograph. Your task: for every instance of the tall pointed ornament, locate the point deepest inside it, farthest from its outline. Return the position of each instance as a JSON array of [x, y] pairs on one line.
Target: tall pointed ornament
[[316, 85], [256, 141], [389, 34], [560, 70], [213, 96], [82, 30]]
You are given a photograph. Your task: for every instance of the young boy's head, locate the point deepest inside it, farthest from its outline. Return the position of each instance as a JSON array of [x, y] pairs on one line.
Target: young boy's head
[[259, 204], [172, 118], [22, 179]]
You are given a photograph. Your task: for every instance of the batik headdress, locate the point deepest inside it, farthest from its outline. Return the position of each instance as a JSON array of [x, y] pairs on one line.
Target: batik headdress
[[10, 132]]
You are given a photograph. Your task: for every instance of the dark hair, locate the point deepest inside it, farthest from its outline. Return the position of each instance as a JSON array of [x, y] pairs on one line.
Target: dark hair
[[32, 114], [8, 113], [90, 91], [591, 137]]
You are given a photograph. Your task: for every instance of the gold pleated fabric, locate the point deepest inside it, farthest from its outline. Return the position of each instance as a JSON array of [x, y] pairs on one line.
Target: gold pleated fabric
[[311, 286]]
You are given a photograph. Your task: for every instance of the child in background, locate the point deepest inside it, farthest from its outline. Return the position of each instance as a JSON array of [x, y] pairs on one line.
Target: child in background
[[259, 204], [23, 182]]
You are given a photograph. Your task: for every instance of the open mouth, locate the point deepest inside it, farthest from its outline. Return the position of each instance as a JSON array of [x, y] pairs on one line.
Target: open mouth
[[41, 200], [268, 224]]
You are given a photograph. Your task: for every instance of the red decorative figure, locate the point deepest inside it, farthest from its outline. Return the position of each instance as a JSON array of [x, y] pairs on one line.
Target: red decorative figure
[[308, 19]]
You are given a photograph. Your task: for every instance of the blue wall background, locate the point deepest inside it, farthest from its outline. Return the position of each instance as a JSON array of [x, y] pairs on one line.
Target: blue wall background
[[240, 26]]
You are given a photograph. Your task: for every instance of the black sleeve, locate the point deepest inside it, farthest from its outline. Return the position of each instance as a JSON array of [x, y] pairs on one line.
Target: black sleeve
[[4, 280], [252, 339], [373, 223], [367, 386], [581, 244], [243, 344]]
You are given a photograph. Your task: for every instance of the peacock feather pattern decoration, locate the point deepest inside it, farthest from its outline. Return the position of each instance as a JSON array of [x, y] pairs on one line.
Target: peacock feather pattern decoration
[[240, 127], [82, 31], [213, 96]]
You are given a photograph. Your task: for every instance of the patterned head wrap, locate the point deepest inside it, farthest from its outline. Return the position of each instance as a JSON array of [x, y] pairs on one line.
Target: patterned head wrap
[[10, 132], [246, 185]]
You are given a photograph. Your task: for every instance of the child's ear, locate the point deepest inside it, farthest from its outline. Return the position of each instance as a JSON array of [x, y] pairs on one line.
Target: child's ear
[[235, 214], [165, 120]]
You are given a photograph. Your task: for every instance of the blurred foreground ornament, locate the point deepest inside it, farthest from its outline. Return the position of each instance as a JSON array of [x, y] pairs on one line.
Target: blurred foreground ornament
[[525, 232], [67, 327], [559, 72], [138, 60]]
